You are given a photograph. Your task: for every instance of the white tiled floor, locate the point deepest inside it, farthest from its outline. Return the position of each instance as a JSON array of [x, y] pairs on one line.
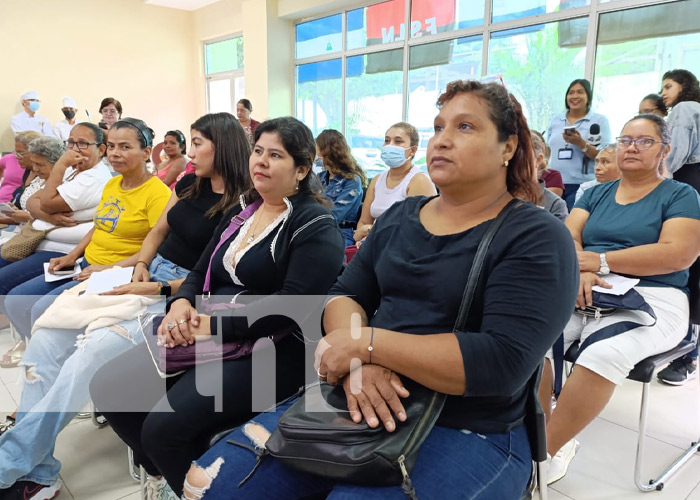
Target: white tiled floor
[[95, 468]]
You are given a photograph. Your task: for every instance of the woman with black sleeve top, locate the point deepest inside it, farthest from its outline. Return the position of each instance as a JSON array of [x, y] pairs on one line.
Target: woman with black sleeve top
[[291, 245], [406, 285]]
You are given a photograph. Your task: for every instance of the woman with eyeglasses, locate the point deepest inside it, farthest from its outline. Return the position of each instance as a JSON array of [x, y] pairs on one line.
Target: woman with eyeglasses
[[16, 169], [66, 205], [653, 104], [129, 206], [110, 111], [642, 226]]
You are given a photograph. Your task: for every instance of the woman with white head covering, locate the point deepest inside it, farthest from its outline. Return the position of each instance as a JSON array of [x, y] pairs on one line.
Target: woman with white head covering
[[69, 109], [28, 119]]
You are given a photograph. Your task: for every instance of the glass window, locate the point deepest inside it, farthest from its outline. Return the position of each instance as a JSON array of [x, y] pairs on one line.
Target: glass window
[[377, 24], [635, 48], [429, 17], [431, 67], [507, 10], [226, 55], [319, 95], [320, 36], [374, 90], [538, 63]]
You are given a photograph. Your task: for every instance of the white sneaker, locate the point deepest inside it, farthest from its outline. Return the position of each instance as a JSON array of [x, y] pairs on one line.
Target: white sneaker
[[559, 463], [158, 489]]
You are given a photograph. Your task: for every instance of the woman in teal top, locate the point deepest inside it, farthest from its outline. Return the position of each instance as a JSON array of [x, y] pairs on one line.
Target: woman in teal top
[[572, 137], [643, 226]]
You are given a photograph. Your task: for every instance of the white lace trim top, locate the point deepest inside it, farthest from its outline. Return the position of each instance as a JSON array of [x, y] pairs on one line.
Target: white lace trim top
[[234, 255]]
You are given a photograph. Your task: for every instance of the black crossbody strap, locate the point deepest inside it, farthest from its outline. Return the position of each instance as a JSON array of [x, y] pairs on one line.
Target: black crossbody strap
[[478, 264]]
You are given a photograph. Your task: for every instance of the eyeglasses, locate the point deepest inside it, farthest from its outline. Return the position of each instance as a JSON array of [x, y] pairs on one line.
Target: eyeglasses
[[19, 155], [647, 111], [642, 144], [80, 145], [106, 111]]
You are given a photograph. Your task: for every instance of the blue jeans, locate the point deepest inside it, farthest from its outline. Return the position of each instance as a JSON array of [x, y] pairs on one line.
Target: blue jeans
[[26, 302], [13, 274], [63, 363], [452, 464]]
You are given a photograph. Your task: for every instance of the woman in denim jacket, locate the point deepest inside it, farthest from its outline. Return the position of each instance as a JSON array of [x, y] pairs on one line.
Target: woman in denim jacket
[[343, 180]]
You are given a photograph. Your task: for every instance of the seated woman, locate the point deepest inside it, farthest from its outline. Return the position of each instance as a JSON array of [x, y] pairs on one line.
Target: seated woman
[[548, 200], [42, 154], [26, 177], [129, 207], [291, 245], [480, 158], [401, 180], [552, 178], [605, 168], [175, 146], [13, 166], [171, 248], [342, 178], [642, 226]]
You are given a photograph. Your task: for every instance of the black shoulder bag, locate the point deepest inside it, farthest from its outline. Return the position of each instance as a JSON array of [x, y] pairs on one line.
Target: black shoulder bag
[[331, 445]]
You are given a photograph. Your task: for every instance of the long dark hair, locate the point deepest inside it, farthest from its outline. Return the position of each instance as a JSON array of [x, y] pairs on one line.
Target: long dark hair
[[231, 155], [337, 156], [658, 102], [690, 90], [586, 87], [298, 141], [507, 115]]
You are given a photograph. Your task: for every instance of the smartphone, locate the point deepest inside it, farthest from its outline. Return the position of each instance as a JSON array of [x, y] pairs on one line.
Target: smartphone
[[102, 125], [569, 130], [64, 271]]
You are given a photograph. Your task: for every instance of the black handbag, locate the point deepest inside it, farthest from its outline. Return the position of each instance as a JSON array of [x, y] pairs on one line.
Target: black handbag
[[331, 445]]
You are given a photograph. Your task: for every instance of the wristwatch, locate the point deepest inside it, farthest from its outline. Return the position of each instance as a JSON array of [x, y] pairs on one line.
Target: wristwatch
[[604, 268], [164, 288]]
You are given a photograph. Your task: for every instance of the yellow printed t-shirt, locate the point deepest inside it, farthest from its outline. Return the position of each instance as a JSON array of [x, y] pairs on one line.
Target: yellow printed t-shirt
[[123, 219]]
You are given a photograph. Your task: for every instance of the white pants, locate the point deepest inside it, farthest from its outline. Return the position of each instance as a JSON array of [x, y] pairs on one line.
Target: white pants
[[613, 358]]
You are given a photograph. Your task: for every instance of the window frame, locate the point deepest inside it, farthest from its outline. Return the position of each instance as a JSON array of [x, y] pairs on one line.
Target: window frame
[[221, 75], [593, 12]]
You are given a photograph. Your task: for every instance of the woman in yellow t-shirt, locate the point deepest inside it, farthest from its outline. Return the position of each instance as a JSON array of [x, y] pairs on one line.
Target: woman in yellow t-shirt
[[130, 206]]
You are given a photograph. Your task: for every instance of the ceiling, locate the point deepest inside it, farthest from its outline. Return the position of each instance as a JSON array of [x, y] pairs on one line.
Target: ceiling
[[181, 4]]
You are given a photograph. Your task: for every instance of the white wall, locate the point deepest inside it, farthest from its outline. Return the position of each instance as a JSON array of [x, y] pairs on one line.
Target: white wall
[[89, 49]]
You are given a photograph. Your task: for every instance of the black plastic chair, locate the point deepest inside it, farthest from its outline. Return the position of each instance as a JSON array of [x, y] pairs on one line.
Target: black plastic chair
[[644, 371], [536, 427]]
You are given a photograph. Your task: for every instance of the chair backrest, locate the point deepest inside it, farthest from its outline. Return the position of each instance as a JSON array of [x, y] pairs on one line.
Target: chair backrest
[[694, 288], [535, 422]]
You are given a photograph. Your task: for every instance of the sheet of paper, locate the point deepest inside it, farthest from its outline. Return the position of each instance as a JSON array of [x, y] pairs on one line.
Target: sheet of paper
[[6, 207], [107, 280], [620, 284], [6, 235], [49, 278]]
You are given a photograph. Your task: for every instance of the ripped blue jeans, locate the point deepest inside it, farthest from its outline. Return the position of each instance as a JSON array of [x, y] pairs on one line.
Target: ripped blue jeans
[[452, 463], [59, 365]]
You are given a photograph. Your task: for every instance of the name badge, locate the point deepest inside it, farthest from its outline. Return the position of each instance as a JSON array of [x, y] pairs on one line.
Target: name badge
[[565, 154]]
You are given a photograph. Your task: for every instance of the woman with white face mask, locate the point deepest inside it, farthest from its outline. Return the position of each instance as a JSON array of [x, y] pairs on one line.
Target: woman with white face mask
[[400, 181]]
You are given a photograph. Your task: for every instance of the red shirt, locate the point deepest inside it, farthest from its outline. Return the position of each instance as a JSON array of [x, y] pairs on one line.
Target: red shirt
[[552, 178]]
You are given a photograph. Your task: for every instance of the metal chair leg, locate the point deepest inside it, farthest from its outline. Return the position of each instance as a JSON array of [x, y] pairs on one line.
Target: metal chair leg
[[142, 475], [134, 472], [658, 483], [542, 479]]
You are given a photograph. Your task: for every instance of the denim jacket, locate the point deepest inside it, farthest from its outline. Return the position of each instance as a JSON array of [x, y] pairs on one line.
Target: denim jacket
[[685, 135], [346, 195]]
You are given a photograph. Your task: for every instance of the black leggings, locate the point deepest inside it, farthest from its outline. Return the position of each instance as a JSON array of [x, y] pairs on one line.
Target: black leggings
[[166, 442]]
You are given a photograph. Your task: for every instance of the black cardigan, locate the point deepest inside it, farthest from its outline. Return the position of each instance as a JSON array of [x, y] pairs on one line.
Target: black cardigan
[[308, 253]]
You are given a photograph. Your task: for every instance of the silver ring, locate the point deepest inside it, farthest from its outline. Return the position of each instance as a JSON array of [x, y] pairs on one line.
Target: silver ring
[[182, 321], [320, 376], [171, 326]]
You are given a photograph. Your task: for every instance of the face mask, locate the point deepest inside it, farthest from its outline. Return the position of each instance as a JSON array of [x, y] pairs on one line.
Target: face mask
[[393, 156], [318, 165], [34, 105], [68, 113]]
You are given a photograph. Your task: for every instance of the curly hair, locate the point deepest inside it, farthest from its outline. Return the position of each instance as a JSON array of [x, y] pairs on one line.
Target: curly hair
[[337, 156], [690, 90], [48, 147], [506, 114]]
